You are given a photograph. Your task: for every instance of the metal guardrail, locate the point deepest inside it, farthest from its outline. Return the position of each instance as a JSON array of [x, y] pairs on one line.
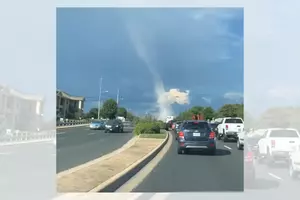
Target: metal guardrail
[[18, 137], [72, 123]]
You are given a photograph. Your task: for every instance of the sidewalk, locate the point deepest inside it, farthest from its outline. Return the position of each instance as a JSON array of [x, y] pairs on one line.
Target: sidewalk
[[90, 177]]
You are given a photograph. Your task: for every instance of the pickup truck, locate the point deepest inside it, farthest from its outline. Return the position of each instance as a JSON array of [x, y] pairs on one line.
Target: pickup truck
[[277, 143], [294, 163], [229, 128]]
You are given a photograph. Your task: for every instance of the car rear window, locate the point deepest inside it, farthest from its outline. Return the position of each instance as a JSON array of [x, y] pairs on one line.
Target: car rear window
[[213, 125], [283, 133], [233, 121], [111, 122], [196, 125]]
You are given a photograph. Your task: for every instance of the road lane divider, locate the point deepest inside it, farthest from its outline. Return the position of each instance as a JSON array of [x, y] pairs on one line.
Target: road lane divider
[[111, 171], [137, 179]]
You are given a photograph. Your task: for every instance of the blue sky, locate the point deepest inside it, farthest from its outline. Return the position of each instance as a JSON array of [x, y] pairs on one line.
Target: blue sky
[[200, 50]]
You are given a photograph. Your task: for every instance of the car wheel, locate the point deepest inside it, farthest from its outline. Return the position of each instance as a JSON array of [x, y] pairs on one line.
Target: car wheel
[[239, 146], [293, 174], [218, 137], [212, 152], [224, 138], [270, 160], [181, 151]]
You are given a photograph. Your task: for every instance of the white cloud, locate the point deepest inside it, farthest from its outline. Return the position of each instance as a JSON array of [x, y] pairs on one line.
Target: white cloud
[[207, 100], [233, 95]]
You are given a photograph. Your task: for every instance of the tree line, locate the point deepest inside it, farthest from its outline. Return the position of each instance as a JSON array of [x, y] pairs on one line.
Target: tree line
[[109, 110], [208, 113]]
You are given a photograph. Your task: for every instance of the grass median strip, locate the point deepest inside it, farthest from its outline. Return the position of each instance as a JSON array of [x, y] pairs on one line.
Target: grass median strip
[[88, 178]]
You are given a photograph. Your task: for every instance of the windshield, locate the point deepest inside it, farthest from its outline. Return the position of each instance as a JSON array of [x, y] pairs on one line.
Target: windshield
[[233, 121], [196, 125], [283, 133]]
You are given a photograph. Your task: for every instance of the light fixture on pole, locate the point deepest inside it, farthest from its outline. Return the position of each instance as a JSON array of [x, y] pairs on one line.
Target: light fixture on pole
[[99, 100]]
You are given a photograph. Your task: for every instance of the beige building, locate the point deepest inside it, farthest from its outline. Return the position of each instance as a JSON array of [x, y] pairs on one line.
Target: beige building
[[20, 111], [68, 106]]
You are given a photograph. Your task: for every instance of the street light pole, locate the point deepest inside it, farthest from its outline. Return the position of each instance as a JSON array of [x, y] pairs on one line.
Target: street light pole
[[118, 93], [99, 100]]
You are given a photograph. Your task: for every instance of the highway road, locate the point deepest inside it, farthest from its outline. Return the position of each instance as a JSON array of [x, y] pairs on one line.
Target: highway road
[[197, 171], [28, 169], [76, 146]]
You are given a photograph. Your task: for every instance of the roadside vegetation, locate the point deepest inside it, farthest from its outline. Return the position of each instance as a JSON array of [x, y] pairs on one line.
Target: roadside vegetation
[[227, 110]]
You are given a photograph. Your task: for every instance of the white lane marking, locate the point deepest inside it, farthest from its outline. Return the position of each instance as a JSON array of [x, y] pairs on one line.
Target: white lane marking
[[160, 196], [59, 133], [135, 196], [274, 176], [91, 134], [5, 153], [227, 147]]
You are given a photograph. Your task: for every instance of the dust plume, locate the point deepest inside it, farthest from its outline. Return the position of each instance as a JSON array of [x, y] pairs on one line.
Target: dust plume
[[142, 43]]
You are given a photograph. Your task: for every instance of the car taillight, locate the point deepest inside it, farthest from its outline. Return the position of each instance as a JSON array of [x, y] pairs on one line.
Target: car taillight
[[273, 143], [249, 157], [212, 135], [226, 126], [180, 134]]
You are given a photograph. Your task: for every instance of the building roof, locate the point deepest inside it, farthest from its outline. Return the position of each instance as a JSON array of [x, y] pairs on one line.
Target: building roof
[[21, 95], [68, 96]]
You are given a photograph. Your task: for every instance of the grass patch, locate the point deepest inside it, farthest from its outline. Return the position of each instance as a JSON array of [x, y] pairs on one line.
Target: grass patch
[[154, 136]]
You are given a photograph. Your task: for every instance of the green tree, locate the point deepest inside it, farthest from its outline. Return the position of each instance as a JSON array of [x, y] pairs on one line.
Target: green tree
[[109, 109], [129, 116], [93, 113], [231, 110], [122, 112], [209, 113]]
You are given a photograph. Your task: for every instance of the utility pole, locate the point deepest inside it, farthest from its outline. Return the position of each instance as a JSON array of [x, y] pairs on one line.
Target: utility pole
[[99, 100], [118, 94]]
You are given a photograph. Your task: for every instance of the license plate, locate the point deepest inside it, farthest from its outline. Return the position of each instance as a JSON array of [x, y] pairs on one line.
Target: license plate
[[196, 134]]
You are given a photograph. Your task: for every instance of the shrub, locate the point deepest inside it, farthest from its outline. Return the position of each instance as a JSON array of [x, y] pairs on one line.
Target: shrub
[[143, 127]]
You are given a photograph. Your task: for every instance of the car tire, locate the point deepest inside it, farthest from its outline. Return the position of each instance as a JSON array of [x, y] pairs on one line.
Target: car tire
[[270, 160], [181, 151], [239, 146], [218, 137], [293, 174], [224, 138], [212, 151]]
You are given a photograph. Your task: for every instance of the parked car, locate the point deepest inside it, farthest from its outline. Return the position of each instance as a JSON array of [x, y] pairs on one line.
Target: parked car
[[97, 125], [114, 125], [196, 134]]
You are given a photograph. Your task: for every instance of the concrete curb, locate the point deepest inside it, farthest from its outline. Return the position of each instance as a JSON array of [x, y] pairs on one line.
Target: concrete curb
[[112, 184]]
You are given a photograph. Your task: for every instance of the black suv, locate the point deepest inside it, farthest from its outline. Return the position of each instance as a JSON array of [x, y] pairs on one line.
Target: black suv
[[114, 126]]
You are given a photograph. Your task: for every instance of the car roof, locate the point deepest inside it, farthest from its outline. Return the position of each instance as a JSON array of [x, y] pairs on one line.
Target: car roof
[[195, 121]]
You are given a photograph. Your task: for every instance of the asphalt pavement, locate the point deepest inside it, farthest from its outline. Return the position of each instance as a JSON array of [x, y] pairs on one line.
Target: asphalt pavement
[[28, 169], [76, 146], [197, 172]]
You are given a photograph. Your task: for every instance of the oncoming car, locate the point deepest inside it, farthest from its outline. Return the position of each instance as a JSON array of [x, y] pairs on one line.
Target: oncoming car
[[196, 134], [97, 125]]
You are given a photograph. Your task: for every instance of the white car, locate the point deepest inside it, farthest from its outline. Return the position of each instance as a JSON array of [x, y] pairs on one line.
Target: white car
[[294, 163], [240, 140]]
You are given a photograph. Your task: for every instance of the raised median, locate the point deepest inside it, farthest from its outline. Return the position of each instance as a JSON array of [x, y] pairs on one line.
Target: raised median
[[109, 172]]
